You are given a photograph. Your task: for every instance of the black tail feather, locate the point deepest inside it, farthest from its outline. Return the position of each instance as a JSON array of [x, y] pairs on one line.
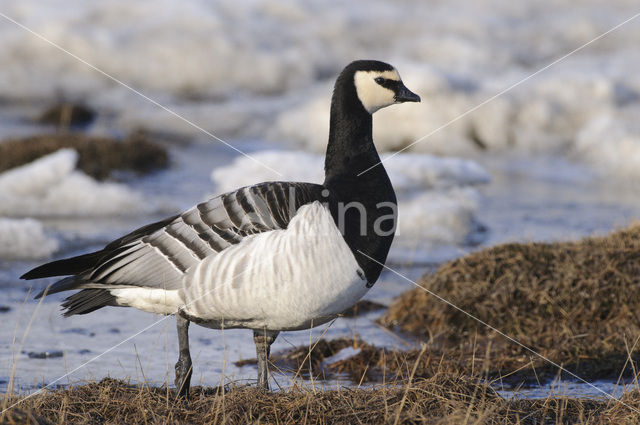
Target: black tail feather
[[88, 300], [81, 263], [65, 267], [65, 284]]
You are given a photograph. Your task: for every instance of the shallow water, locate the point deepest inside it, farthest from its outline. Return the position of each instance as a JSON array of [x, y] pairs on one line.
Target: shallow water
[[551, 199], [600, 389]]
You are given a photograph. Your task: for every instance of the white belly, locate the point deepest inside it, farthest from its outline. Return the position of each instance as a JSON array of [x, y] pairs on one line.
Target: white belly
[[284, 279]]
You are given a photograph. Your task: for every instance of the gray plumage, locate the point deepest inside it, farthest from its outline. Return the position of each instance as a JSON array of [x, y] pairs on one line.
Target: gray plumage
[[158, 255]]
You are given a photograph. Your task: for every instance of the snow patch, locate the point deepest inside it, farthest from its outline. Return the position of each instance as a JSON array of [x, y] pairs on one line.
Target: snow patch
[[612, 144], [52, 187], [25, 239]]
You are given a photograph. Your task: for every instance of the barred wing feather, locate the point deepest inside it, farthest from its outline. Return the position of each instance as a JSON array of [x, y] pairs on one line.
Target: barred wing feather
[[158, 255]]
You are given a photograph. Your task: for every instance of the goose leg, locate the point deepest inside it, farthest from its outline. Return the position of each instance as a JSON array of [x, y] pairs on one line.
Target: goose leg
[[183, 365], [263, 340]]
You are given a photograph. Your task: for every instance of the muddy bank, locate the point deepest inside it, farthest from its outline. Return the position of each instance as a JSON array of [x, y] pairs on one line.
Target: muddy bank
[[97, 156], [575, 303], [442, 399]]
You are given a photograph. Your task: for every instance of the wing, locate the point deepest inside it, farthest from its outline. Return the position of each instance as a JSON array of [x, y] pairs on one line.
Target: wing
[[159, 254]]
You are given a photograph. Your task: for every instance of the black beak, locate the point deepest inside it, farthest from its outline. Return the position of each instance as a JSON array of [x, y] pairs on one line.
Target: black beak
[[403, 94]]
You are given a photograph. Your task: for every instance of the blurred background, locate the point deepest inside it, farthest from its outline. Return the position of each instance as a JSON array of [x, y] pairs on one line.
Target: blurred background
[[86, 157]]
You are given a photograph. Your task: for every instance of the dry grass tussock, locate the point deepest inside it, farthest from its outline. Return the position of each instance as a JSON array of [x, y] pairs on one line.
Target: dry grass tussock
[[441, 399], [576, 303], [97, 156]]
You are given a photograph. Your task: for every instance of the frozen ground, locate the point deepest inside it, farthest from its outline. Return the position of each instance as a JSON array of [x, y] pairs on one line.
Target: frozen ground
[[562, 148]]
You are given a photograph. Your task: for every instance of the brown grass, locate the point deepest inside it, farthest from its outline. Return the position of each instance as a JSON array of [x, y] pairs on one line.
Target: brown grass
[[441, 399], [378, 364], [303, 361], [362, 307], [98, 156], [65, 115], [576, 303]]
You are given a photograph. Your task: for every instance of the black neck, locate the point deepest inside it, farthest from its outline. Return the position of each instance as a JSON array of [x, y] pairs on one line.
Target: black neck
[[350, 150]]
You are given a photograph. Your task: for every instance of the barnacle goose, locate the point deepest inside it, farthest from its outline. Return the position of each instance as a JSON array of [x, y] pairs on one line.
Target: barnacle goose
[[270, 257]]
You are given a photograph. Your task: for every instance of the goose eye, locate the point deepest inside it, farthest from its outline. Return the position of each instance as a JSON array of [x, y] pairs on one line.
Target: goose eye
[[379, 80]]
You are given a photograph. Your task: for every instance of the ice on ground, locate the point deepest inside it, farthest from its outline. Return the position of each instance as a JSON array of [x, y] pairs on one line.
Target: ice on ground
[[25, 239], [437, 217], [611, 143], [437, 197], [244, 171], [52, 187]]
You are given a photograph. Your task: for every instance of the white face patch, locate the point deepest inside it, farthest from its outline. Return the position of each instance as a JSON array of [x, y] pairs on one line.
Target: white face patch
[[371, 94]]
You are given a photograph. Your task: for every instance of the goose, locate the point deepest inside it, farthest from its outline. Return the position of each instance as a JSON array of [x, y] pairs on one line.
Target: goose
[[271, 257]]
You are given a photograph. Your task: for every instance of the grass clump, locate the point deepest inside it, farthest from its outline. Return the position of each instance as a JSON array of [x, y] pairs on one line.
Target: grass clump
[[66, 114], [97, 156], [112, 401], [575, 303], [445, 398]]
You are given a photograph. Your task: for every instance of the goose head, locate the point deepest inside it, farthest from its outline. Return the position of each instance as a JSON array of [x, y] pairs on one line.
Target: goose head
[[378, 85]]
